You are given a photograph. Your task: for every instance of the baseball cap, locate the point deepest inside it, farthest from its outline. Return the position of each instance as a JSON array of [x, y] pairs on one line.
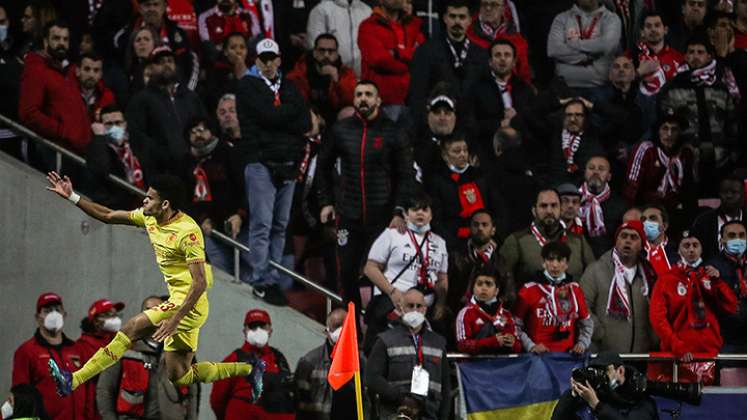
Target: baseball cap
[[103, 305], [159, 52], [568, 189], [257, 315], [605, 359], [441, 100], [268, 46], [47, 299]]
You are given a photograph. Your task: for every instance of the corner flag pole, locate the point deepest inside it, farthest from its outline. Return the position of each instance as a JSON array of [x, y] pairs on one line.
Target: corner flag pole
[[358, 394]]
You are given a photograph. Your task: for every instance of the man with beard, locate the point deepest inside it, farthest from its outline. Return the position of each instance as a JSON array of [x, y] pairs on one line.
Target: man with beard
[[522, 250], [325, 83], [707, 226], [656, 62], [574, 143], [617, 288], [601, 208], [376, 178], [706, 88], [447, 57], [691, 23], [93, 91], [498, 99], [50, 101], [157, 116], [570, 205]]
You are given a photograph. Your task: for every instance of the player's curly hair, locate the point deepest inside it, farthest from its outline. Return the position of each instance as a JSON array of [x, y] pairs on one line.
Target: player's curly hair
[[170, 188]]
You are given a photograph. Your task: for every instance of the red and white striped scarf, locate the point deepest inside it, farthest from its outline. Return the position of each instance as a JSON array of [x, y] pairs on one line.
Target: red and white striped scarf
[[591, 209], [130, 162], [672, 179], [202, 191], [541, 240], [652, 83], [570, 143], [618, 300]]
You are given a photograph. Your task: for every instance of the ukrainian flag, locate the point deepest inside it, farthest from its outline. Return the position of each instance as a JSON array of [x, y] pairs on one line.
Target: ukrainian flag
[[524, 387]]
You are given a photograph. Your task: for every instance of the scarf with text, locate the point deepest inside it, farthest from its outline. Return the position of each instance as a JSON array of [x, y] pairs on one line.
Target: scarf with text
[[673, 175], [618, 300], [541, 240], [570, 143], [591, 209], [652, 83]]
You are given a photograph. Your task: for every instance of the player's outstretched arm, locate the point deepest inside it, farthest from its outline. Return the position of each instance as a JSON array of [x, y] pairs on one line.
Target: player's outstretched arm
[[64, 188]]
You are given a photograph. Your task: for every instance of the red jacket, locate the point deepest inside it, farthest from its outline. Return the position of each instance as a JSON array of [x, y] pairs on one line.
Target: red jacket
[[387, 48], [214, 26], [522, 69], [102, 98], [471, 320], [339, 95], [30, 367], [88, 344], [672, 314], [50, 103], [646, 172], [231, 398]]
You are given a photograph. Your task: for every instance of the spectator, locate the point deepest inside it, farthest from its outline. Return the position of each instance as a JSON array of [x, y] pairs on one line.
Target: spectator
[[496, 20], [30, 360], [93, 91], [570, 208], [656, 62], [234, 398], [660, 253], [731, 263], [691, 23], [24, 402], [399, 261], [97, 330], [390, 373], [713, 122], [141, 44], [498, 100], [224, 74], [222, 20], [373, 185], [551, 311], [601, 208], [141, 372], [707, 226], [458, 190], [464, 264], [740, 24], [323, 80], [662, 171], [36, 16], [684, 308], [583, 41], [274, 123], [50, 101], [153, 13], [387, 40], [217, 202], [573, 144], [11, 68], [315, 399], [157, 117], [441, 121], [632, 17], [522, 250], [228, 120], [617, 288], [110, 153], [448, 57], [340, 18], [485, 325]]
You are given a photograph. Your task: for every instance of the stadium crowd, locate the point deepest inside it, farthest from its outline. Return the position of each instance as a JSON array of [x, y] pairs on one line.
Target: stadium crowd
[[504, 176]]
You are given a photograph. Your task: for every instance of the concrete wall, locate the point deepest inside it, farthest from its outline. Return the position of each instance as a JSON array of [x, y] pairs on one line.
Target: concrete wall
[[49, 245]]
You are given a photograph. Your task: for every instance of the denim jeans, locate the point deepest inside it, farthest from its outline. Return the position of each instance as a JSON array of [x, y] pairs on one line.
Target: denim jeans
[[220, 255], [269, 213]]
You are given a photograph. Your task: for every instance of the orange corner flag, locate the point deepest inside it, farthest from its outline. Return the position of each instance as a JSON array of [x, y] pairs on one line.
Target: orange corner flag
[[345, 359]]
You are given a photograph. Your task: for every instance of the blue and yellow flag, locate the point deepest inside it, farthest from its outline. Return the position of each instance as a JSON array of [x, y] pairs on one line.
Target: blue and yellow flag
[[525, 387]]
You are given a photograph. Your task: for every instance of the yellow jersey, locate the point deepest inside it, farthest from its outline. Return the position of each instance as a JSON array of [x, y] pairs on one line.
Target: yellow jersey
[[176, 244]]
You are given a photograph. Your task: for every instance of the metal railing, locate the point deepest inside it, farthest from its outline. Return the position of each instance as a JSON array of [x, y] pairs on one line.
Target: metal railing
[[61, 152]]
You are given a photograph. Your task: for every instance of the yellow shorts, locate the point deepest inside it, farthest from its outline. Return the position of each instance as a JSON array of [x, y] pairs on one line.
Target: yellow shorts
[[187, 332]]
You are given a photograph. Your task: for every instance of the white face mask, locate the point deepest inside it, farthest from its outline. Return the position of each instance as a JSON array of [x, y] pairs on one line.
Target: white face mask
[[112, 324], [334, 335], [257, 337], [6, 410], [54, 321], [413, 319]]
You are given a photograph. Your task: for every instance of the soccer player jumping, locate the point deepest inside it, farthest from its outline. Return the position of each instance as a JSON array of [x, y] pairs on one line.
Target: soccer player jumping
[[180, 254]]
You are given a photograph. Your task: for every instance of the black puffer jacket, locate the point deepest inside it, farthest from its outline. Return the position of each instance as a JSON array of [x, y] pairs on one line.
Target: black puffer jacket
[[377, 170], [270, 133]]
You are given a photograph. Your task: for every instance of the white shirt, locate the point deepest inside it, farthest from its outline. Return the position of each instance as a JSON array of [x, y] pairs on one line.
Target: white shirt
[[395, 250]]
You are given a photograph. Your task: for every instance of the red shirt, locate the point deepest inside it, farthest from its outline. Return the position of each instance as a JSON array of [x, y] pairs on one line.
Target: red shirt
[[472, 318], [214, 26], [30, 367], [548, 319], [88, 344]]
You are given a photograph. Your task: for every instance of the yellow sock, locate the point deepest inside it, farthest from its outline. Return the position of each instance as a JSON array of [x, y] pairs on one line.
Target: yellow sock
[[102, 359], [207, 372]]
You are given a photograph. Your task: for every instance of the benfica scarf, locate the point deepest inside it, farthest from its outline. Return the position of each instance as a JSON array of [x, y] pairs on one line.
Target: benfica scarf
[[652, 83], [570, 144], [657, 256], [704, 76], [618, 300], [501, 317], [541, 240], [672, 179], [741, 267], [482, 255], [202, 191], [130, 163], [707, 76], [262, 17], [591, 209], [561, 302], [696, 308]]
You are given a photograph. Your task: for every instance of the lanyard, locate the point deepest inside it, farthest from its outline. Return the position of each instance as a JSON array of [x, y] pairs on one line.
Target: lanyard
[[275, 88], [458, 58], [417, 340], [424, 260], [586, 33]]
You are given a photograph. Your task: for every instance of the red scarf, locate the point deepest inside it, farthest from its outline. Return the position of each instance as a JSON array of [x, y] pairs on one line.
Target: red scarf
[[501, 319], [657, 256], [586, 33], [202, 185], [481, 255], [591, 209], [673, 175], [570, 144], [618, 301], [541, 240], [741, 264], [652, 83], [424, 257], [696, 308], [553, 304], [130, 163]]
